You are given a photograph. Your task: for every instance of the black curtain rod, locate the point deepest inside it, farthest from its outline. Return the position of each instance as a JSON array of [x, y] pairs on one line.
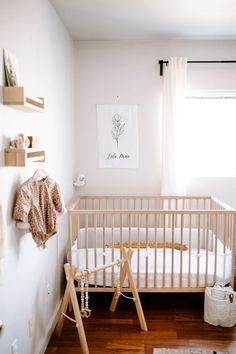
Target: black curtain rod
[[162, 62]]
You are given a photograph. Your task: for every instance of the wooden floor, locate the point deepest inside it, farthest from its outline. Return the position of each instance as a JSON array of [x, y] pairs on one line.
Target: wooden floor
[[173, 320]]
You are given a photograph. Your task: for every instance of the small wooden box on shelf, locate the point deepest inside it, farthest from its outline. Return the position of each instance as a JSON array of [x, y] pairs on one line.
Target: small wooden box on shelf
[[15, 96], [20, 157]]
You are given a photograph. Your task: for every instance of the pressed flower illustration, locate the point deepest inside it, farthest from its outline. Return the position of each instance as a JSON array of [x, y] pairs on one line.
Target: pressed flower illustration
[[118, 128]]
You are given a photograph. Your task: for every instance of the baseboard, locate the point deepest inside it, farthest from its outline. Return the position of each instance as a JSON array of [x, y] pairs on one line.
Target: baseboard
[[51, 328]]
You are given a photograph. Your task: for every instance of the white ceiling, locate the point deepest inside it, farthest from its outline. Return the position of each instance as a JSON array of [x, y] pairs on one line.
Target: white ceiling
[[148, 19]]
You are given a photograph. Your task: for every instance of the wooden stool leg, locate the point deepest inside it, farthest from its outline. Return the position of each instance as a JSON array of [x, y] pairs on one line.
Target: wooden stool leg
[[70, 296], [63, 309], [137, 302], [75, 305], [64, 306], [127, 270], [122, 279]]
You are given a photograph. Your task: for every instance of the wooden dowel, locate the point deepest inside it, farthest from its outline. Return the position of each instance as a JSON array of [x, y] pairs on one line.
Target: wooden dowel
[[87, 272]]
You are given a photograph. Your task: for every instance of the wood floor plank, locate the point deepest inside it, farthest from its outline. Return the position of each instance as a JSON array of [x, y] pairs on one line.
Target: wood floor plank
[[173, 320]]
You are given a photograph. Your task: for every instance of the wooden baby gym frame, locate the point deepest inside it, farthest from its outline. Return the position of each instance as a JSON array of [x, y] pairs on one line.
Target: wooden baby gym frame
[[70, 295]]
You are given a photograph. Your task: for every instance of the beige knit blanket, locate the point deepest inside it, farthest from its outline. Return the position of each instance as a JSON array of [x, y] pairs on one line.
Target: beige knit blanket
[[175, 245]]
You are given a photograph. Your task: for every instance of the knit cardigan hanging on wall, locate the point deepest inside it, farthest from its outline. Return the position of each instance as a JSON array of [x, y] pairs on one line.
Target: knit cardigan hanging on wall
[[39, 203]]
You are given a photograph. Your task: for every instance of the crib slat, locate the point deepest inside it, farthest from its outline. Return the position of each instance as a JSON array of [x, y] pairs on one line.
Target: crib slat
[[225, 231], [138, 255], [198, 247], [112, 249], [78, 244], [172, 250], [155, 253], [95, 247], [147, 255], [129, 228], [189, 250], [99, 215], [121, 237], [129, 235], [176, 208], [164, 253], [225, 239], [207, 248], [142, 214], [86, 241], [103, 247], [70, 239], [215, 244], [233, 247], [169, 208], [181, 251], [228, 243]]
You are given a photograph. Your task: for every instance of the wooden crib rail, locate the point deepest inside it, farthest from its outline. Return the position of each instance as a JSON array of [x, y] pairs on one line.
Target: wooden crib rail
[[150, 211], [218, 204], [141, 202]]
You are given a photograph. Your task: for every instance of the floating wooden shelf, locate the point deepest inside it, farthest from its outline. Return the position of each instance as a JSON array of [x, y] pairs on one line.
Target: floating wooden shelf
[[20, 157], [14, 96]]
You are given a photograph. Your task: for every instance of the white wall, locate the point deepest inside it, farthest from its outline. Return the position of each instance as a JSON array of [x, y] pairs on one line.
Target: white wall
[[128, 73], [106, 73], [33, 32]]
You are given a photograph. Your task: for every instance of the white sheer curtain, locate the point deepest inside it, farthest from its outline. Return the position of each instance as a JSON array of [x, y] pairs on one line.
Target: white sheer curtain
[[174, 86]]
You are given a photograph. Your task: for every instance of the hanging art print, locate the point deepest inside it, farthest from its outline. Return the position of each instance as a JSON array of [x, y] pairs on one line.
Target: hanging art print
[[117, 136]]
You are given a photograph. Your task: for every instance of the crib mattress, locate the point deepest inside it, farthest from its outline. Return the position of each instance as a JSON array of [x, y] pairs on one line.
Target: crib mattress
[[150, 270]]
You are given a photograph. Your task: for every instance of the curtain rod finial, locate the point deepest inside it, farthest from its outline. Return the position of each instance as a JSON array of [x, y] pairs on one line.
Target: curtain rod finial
[[161, 62]]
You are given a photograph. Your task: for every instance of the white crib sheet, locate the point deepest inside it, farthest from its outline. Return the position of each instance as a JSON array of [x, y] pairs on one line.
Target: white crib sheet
[[143, 267]]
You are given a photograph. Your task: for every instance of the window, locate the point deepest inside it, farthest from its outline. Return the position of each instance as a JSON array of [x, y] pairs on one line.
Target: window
[[208, 135]]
